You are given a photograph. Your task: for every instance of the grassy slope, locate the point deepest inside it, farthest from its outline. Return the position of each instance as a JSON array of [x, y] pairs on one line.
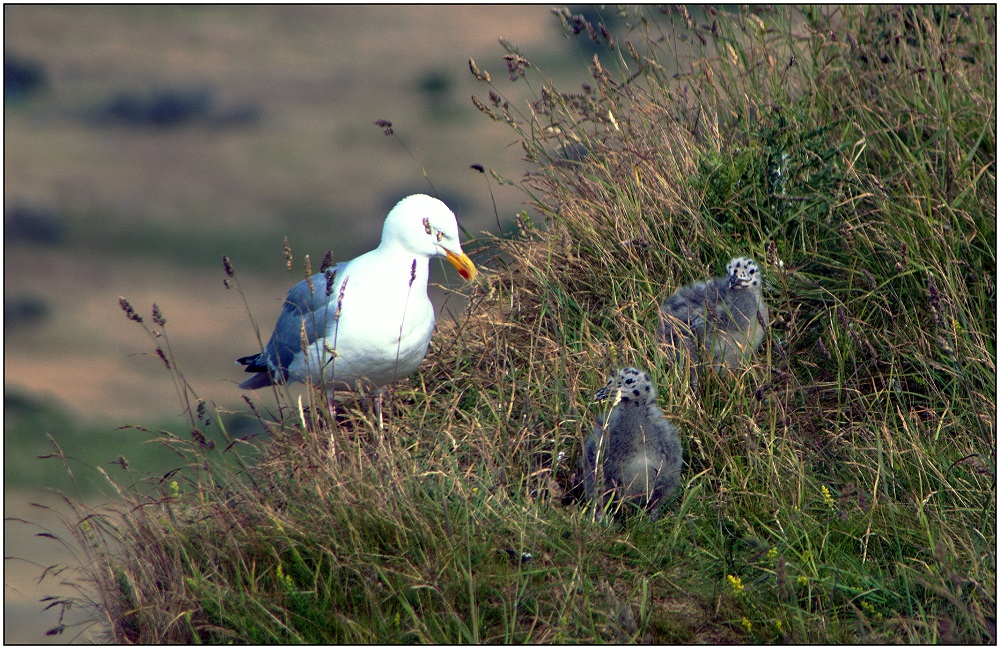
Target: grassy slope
[[840, 489]]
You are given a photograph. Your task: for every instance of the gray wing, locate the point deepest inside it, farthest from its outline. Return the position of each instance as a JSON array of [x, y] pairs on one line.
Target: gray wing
[[314, 308], [682, 315]]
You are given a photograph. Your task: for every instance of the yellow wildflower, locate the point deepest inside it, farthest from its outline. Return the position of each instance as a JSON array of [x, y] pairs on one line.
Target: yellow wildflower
[[827, 498]]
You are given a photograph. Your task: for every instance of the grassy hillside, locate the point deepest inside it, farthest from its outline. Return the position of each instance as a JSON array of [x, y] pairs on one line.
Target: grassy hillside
[[839, 488]]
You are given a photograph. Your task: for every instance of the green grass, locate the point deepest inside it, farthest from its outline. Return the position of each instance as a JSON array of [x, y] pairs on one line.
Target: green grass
[[840, 489]]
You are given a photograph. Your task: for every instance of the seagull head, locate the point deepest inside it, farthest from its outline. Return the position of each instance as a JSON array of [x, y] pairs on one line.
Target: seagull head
[[743, 273], [425, 226], [627, 385]]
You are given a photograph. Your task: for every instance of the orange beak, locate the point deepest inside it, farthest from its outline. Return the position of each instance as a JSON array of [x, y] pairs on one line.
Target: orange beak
[[462, 263]]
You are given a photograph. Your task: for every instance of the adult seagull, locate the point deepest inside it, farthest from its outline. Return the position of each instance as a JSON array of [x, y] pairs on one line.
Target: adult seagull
[[364, 323]]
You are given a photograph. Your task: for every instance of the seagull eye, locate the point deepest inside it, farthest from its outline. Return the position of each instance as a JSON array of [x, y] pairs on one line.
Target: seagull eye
[[440, 235]]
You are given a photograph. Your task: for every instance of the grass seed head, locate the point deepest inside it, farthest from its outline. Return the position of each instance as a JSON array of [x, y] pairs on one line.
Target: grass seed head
[[129, 311], [288, 254], [158, 316], [331, 278]]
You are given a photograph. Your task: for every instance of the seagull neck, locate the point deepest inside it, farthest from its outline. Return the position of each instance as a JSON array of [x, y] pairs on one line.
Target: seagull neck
[[392, 254], [395, 248], [632, 410]]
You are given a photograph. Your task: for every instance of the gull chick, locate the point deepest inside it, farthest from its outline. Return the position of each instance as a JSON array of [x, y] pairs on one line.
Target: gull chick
[[726, 314], [636, 449]]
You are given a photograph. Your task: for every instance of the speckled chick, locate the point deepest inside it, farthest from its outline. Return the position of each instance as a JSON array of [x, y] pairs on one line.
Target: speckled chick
[[638, 450], [728, 313]]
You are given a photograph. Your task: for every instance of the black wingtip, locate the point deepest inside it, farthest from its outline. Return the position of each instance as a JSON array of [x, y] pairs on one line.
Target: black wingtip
[[253, 363]]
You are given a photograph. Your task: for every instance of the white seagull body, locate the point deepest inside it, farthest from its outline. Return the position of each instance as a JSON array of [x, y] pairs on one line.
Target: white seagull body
[[364, 323]]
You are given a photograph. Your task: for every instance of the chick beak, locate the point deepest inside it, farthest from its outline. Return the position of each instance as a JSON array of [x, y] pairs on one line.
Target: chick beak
[[606, 393], [462, 263]]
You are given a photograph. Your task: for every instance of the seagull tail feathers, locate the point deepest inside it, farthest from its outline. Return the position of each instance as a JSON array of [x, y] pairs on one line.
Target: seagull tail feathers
[[261, 380]]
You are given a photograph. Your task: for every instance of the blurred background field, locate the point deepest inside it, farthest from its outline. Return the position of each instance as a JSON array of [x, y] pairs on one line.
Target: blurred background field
[[141, 144]]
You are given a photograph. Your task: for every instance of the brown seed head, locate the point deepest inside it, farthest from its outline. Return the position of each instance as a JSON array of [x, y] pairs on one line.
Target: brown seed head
[[227, 264], [484, 108], [631, 50], [303, 338], [872, 284], [822, 349], [129, 311], [842, 316], [199, 437], [596, 69], [288, 254], [516, 65], [482, 75], [331, 276], [340, 298], [385, 125], [253, 408], [607, 36], [158, 316]]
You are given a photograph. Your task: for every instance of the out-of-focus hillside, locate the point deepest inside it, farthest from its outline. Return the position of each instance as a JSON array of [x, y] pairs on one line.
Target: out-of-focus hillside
[[161, 138]]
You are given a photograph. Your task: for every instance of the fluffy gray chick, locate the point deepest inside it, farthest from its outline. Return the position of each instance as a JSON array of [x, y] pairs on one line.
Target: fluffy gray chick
[[727, 313], [637, 449]]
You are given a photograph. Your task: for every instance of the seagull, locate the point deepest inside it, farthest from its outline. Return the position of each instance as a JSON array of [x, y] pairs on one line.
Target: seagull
[[637, 449], [364, 323], [727, 313]]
